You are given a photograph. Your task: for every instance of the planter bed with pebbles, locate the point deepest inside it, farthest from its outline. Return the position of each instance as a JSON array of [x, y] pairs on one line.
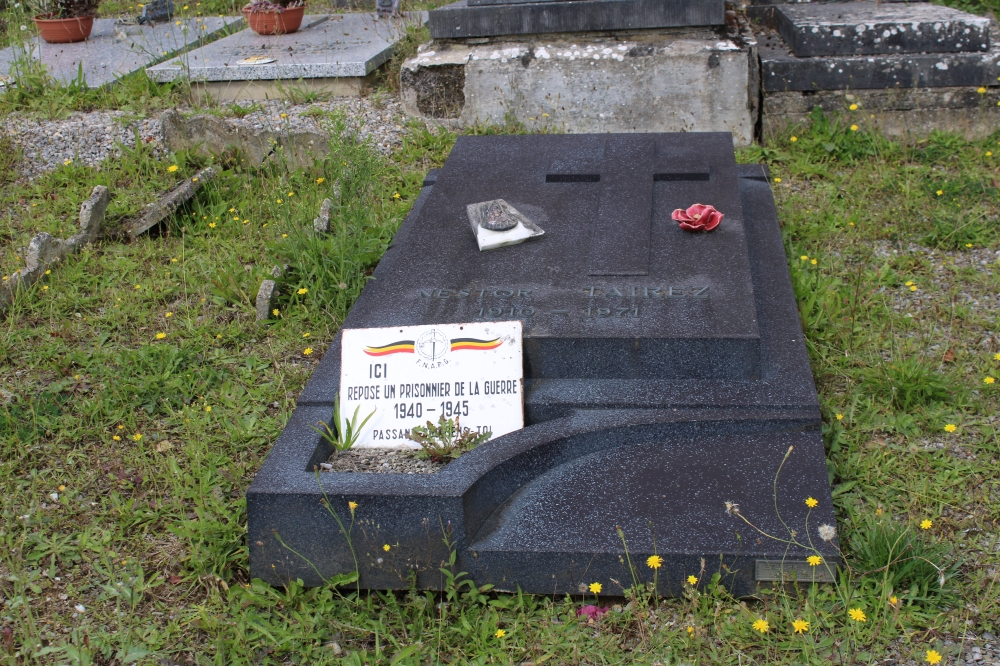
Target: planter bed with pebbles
[[381, 461]]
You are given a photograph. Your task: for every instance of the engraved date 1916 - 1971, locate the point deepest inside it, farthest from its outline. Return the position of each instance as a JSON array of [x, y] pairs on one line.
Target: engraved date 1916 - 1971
[[595, 306]]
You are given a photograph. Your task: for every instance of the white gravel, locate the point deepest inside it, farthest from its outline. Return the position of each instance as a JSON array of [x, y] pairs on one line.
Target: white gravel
[[91, 138]]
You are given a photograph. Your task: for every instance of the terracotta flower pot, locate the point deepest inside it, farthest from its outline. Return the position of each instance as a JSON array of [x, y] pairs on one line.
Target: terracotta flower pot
[[65, 30], [275, 23]]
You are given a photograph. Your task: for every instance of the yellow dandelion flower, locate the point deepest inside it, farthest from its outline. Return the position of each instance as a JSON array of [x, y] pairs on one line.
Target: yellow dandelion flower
[[692, 580], [45, 287], [116, 438], [854, 128], [794, 139], [981, 90], [352, 506], [302, 291], [208, 408], [690, 631], [138, 286], [386, 547], [857, 615], [121, 427], [812, 502], [777, 180], [800, 626], [913, 288], [172, 168], [168, 315], [654, 561], [306, 334], [291, 194], [279, 200], [48, 272], [161, 335], [545, 115], [840, 417], [283, 115], [500, 633], [926, 524], [813, 262], [762, 626], [804, 257], [996, 357], [307, 351], [893, 600], [989, 380], [275, 312], [395, 195], [939, 192], [595, 588], [319, 181], [137, 437], [814, 560], [246, 221], [284, 235], [211, 225], [989, 153], [853, 107], [933, 657]]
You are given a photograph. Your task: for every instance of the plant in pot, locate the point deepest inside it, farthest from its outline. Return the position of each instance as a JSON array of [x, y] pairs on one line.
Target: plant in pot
[[65, 21], [274, 17]]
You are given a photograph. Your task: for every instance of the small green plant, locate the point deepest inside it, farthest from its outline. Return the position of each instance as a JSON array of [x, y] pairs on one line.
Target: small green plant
[[347, 432], [447, 440], [907, 384]]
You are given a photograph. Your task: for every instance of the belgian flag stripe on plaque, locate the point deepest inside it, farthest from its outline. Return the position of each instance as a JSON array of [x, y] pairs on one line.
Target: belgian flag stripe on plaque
[[473, 343], [401, 347]]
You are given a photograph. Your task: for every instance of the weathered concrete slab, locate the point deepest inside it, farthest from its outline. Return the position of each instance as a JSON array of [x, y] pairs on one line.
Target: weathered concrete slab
[[114, 50], [327, 47], [654, 83], [160, 210], [463, 19], [781, 70], [860, 28], [904, 113]]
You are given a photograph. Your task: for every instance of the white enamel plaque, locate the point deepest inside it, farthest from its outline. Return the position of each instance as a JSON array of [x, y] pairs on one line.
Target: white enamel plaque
[[409, 375]]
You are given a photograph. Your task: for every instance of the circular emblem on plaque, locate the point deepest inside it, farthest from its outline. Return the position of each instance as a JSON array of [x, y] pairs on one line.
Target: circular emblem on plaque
[[433, 345]]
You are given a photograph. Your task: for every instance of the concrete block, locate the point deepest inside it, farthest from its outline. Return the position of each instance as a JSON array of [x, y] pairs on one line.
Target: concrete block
[[92, 216], [781, 70], [463, 19], [694, 82], [860, 28], [906, 113], [266, 299], [114, 50], [321, 224]]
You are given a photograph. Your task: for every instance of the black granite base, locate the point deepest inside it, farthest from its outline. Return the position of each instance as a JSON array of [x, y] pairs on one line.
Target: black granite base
[[462, 19], [685, 467], [781, 70]]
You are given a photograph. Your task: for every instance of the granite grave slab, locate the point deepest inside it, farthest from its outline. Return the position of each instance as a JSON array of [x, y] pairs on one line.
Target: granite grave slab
[[326, 47], [478, 18], [782, 70], [115, 49], [672, 362], [865, 28]]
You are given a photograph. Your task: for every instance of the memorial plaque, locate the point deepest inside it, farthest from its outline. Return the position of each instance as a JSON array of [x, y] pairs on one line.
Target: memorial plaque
[[667, 388]]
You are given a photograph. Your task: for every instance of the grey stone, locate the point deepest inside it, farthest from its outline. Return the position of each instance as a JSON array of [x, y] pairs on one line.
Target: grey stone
[[327, 46], [460, 20], [865, 28], [672, 453], [690, 82], [92, 215], [321, 224], [169, 203], [781, 70], [115, 50], [898, 113], [219, 139], [266, 299]]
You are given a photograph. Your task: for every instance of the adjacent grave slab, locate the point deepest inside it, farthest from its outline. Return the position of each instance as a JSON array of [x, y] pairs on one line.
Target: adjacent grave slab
[[865, 28], [781, 70], [691, 82], [114, 50], [334, 52], [477, 18], [666, 379]]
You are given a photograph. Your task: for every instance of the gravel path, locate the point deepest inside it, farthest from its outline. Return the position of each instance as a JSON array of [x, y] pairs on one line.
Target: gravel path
[[91, 138]]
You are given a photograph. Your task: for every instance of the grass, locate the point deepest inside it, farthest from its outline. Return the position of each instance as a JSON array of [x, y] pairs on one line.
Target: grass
[[126, 454]]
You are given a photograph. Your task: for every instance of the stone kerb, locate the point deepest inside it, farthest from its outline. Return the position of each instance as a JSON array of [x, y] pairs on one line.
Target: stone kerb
[[44, 251]]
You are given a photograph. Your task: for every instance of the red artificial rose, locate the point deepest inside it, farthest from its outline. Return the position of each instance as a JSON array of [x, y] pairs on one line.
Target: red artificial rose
[[698, 217]]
